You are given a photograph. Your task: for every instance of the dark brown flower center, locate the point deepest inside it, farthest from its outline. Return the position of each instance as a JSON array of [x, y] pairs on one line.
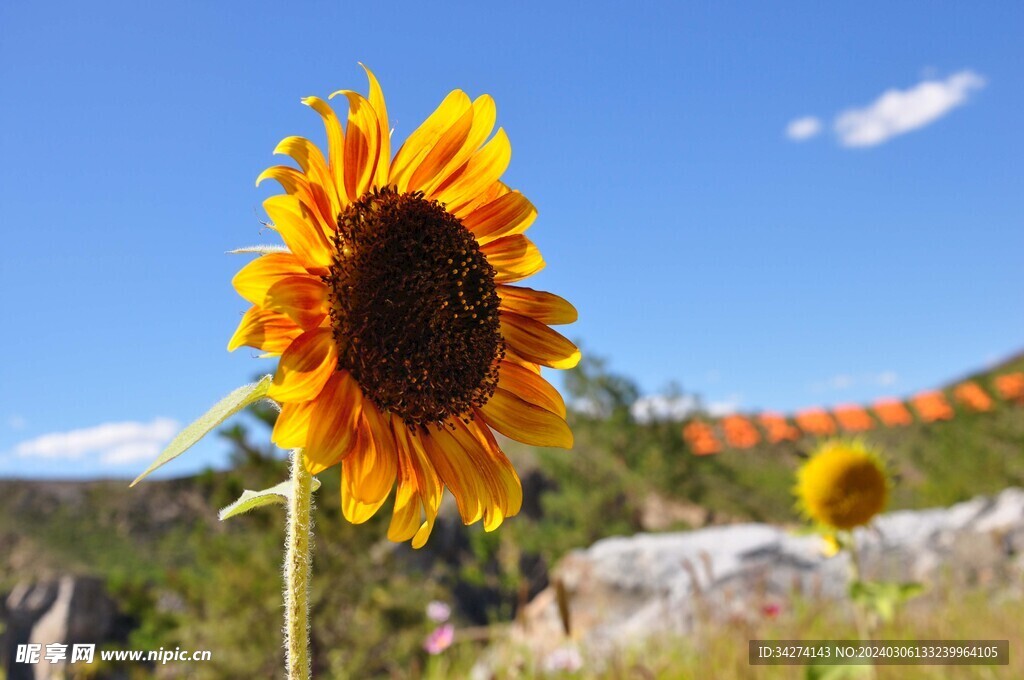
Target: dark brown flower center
[[414, 308]]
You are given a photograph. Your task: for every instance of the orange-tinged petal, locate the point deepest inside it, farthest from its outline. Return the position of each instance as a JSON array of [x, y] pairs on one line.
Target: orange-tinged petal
[[300, 231], [427, 480], [254, 279], [405, 519], [525, 422], [377, 102], [425, 136], [292, 425], [512, 357], [362, 144], [458, 473], [311, 195], [536, 342], [442, 152], [312, 162], [513, 257], [530, 387], [500, 480], [369, 473], [305, 367], [336, 418], [264, 330], [484, 168], [506, 215], [541, 306], [506, 472], [437, 168], [302, 298], [335, 146], [491, 193]]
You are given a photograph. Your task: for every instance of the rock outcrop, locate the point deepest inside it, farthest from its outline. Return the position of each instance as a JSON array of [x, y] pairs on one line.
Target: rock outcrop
[[69, 610], [622, 590]]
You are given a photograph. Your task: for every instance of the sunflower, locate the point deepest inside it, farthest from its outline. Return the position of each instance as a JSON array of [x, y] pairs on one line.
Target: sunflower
[[843, 485], [402, 339]]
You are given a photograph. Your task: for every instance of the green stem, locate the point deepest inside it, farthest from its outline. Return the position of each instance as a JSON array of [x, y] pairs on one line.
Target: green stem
[[297, 566], [865, 629]]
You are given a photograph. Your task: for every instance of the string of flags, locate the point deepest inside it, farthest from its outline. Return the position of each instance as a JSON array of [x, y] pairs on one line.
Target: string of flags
[[706, 437]]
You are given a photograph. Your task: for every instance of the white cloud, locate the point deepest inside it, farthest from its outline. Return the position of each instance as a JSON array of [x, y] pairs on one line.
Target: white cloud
[[16, 422], [804, 128], [724, 407], [663, 407], [897, 112], [845, 381], [678, 407], [111, 443]]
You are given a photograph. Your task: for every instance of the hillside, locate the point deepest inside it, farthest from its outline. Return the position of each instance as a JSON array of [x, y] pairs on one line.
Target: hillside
[[186, 579]]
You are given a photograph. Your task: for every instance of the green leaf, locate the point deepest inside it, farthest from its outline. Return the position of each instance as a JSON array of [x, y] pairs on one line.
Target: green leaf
[[221, 411], [254, 499], [831, 672], [883, 597]]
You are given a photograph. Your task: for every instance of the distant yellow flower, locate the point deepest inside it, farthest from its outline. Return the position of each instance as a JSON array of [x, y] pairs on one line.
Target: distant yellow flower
[[843, 485], [401, 339]]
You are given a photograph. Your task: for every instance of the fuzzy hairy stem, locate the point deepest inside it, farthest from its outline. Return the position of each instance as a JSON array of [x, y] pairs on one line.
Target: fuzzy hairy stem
[[297, 567]]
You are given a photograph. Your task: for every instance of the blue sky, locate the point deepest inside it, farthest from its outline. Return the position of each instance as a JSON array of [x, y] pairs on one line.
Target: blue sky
[[701, 243]]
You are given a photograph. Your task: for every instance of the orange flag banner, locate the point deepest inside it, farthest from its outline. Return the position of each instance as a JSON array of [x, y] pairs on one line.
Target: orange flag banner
[[931, 406], [777, 428], [853, 418], [701, 438], [1010, 386], [815, 421], [744, 432], [740, 432], [892, 412], [972, 396]]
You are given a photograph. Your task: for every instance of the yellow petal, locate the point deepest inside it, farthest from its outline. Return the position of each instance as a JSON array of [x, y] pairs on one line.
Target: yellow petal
[[362, 145], [368, 474], [334, 422], [524, 422], [420, 142], [335, 147], [312, 195], [448, 145], [302, 298], [305, 367], [292, 425], [377, 102], [312, 162], [279, 283], [536, 342], [405, 519], [483, 169], [427, 481], [254, 279], [492, 193], [438, 167], [264, 330], [506, 472], [506, 215], [494, 471], [546, 308], [513, 257], [530, 387], [458, 473], [300, 231]]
